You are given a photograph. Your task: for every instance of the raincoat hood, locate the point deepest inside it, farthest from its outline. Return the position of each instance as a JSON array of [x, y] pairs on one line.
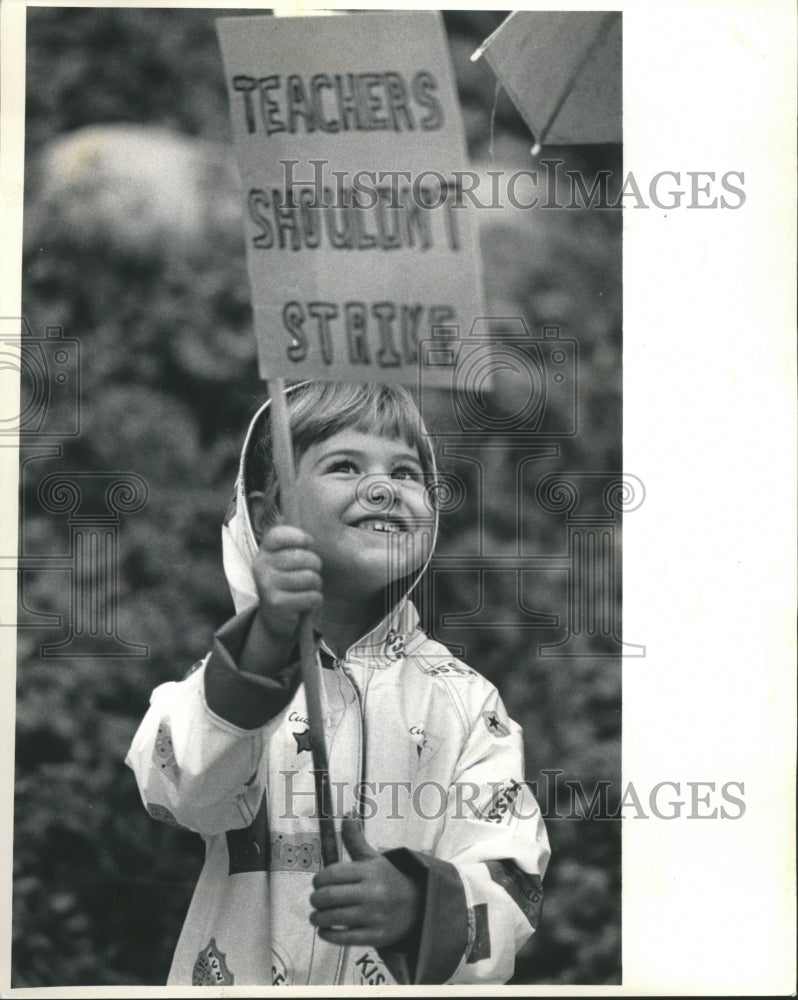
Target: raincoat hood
[[239, 544]]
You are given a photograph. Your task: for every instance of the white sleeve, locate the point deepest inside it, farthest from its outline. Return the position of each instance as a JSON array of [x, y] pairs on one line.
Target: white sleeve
[[197, 753], [496, 839], [483, 886]]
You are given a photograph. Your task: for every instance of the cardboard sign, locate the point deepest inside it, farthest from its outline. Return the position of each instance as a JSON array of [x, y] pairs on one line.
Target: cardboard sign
[[348, 136]]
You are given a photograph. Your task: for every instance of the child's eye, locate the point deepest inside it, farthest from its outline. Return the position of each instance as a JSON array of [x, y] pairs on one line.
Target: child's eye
[[341, 465], [407, 472]]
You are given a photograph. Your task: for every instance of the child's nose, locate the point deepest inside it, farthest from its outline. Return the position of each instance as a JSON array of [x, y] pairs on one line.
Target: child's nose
[[377, 493]]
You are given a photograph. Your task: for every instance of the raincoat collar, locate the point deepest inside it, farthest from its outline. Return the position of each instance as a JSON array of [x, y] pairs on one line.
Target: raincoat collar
[[387, 641]]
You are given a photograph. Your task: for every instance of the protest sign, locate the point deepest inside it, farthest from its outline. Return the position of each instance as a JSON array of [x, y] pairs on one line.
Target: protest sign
[[348, 136]]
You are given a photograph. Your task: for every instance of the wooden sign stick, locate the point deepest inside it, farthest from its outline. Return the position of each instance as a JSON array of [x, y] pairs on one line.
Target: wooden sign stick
[[284, 463]]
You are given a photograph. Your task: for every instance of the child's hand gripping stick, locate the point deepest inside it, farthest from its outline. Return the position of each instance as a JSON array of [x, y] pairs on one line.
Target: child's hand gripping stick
[[365, 901]]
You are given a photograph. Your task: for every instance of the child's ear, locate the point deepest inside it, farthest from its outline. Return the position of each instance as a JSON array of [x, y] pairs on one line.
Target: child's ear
[[263, 511], [256, 501]]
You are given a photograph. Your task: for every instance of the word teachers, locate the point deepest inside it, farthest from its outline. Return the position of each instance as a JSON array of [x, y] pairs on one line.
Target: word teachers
[[361, 102]]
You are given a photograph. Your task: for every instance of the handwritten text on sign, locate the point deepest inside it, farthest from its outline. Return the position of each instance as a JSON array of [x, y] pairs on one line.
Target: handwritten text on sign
[[348, 134]]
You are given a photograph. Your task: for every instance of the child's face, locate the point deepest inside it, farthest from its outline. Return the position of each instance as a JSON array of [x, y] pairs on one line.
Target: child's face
[[364, 501]]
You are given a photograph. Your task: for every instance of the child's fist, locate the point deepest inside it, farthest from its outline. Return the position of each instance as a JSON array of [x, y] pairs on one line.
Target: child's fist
[[366, 900], [288, 579]]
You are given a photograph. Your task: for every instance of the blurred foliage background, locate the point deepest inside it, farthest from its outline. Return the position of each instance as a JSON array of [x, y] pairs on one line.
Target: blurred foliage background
[[134, 246]]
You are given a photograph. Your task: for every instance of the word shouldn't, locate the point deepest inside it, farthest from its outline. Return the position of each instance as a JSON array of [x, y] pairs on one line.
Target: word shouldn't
[[296, 221], [375, 332], [359, 102]]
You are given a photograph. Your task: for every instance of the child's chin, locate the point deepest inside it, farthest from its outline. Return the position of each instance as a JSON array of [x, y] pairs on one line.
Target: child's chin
[[383, 557], [384, 570]]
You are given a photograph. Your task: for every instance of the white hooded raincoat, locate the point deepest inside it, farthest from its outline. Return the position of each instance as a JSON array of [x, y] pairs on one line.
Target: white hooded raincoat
[[419, 741]]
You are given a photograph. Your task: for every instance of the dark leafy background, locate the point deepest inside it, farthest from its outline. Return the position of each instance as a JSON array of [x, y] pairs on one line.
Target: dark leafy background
[[140, 256]]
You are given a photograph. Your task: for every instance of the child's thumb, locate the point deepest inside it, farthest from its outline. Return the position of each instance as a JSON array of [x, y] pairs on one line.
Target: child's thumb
[[358, 848]]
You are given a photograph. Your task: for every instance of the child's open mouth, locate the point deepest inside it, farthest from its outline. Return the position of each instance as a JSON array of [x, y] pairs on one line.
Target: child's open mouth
[[380, 524]]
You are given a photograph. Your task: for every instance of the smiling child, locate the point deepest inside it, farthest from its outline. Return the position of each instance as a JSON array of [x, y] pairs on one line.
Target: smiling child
[[445, 845]]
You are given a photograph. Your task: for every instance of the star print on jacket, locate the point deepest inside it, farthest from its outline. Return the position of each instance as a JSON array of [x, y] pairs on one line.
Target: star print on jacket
[[494, 725], [303, 741]]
